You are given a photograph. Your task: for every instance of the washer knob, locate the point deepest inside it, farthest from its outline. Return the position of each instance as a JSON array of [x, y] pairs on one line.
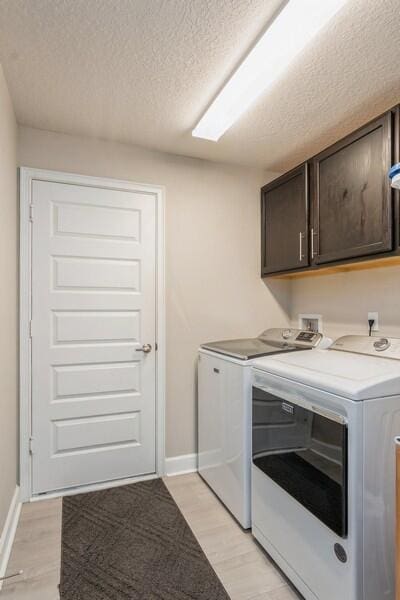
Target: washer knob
[[381, 344], [286, 333]]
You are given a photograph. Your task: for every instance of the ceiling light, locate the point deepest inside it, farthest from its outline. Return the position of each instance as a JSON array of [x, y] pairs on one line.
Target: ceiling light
[[289, 33]]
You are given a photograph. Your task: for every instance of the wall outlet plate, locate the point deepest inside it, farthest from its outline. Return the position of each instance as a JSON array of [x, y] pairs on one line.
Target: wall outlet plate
[[310, 322], [375, 316]]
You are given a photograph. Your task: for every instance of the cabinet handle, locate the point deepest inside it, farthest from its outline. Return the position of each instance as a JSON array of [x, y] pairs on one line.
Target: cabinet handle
[[312, 243], [301, 255]]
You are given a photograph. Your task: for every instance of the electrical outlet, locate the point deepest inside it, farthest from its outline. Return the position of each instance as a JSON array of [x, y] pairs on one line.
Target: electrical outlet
[[375, 317]]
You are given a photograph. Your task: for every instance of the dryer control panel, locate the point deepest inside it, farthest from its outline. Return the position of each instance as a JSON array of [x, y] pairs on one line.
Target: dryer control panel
[[384, 347]]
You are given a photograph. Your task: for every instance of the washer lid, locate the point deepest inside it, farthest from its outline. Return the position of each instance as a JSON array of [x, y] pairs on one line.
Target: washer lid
[[271, 341], [246, 349], [347, 374]]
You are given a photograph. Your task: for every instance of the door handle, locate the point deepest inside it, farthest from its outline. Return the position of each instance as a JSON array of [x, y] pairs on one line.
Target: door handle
[[146, 348]]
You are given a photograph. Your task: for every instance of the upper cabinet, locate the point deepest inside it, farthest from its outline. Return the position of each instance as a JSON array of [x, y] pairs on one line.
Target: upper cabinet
[[337, 208], [352, 199], [284, 217]]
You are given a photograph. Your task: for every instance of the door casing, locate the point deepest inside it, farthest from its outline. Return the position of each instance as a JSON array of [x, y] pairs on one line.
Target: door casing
[[27, 175]]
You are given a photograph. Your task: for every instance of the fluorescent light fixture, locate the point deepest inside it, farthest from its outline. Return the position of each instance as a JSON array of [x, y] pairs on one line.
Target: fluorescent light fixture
[[289, 33]]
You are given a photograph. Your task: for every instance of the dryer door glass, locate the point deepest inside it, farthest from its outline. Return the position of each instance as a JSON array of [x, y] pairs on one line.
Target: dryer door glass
[[305, 453]]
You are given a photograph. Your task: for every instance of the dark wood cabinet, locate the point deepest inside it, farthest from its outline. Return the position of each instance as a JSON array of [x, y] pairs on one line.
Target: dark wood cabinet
[[352, 197], [337, 210], [284, 217]]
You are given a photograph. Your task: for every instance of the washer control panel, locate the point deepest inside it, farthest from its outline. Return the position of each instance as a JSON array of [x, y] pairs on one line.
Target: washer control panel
[[307, 336], [373, 346], [294, 337]]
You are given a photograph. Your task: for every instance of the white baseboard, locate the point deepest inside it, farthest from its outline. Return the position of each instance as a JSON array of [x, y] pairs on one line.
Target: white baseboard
[[8, 533], [178, 465]]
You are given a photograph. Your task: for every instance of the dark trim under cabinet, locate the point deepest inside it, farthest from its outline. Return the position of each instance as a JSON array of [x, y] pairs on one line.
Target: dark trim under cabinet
[[284, 222], [352, 197]]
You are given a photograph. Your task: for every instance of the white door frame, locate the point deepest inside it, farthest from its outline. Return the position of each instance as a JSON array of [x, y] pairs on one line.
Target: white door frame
[[27, 175]]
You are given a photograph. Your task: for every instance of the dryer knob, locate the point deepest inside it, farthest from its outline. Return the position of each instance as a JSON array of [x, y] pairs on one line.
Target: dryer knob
[[381, 344]]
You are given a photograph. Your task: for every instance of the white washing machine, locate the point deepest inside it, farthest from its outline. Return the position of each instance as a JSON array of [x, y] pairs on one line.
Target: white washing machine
[[323, 473], [224, 411]]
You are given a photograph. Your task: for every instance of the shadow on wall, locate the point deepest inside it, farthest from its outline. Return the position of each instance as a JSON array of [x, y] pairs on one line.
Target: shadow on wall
[[281, 292]]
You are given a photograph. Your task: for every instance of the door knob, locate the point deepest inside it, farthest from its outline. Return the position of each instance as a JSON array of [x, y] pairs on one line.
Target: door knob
[[146, 348]]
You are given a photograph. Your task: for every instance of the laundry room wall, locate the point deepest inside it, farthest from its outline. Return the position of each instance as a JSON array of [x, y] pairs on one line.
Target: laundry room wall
[[8, 303], [213, 286], [344, 299]]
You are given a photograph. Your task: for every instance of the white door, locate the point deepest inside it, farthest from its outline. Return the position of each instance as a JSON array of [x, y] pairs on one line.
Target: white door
[[93, 309]]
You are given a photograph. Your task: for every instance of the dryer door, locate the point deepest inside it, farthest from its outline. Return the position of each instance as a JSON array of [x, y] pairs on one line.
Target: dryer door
[[304, 450]]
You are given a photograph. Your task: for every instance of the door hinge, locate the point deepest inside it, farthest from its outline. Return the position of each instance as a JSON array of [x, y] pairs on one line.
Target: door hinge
[[31, 445], [30, 328], [31, 212], [156, 346]]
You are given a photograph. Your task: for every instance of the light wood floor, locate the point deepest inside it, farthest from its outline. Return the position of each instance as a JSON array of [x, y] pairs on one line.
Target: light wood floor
[[36, 550], [242, 566]]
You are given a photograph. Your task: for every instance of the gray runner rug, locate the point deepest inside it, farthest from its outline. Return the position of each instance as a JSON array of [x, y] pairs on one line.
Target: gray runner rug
[[130, 543]]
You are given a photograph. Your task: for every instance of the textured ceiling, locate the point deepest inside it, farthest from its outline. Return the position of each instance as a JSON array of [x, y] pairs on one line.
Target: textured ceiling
[[143, 72]]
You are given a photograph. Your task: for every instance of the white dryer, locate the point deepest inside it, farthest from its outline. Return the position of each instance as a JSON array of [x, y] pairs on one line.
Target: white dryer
[[224, 411], [323, 473]]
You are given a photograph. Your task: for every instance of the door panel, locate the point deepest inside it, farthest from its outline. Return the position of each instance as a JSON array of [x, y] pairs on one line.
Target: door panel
[[352, 196], [284, 222], [96, 274], [93, 307], [78, 434], [74, 380], [97, 221], [96, 326]]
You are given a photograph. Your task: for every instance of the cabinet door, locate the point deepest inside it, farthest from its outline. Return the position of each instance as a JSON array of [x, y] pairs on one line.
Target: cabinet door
[[352, 200], [284, 222]]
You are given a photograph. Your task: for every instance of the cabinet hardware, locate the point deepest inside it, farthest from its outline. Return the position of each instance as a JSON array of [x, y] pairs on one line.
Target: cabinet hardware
[[312, 243], [301, 255]]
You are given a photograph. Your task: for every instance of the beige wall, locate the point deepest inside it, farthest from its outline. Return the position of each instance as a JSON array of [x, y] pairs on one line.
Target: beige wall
[[344, 299], [212, 261], [212, 252], [8, 302]]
